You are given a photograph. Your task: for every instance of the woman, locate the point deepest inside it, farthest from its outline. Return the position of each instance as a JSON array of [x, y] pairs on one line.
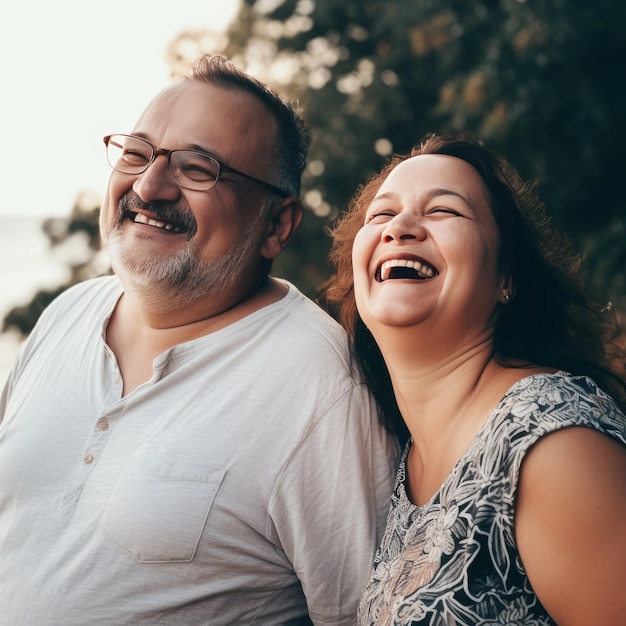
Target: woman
[[476, 336]]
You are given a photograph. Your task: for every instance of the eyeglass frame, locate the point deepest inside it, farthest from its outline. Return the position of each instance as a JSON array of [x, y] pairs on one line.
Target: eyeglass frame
[[221, 166]]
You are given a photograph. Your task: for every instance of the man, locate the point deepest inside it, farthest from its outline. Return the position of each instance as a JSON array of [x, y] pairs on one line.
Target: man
[[185, 442]]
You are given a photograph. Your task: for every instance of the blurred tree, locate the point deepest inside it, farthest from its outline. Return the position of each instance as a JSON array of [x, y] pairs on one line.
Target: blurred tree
[[75, 240], [541, 82]]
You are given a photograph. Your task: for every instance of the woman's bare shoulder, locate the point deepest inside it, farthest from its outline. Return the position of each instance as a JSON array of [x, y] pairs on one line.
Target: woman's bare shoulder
[[570, 525]]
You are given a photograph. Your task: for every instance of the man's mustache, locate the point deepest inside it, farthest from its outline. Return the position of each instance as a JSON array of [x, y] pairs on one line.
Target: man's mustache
[[164, 211]]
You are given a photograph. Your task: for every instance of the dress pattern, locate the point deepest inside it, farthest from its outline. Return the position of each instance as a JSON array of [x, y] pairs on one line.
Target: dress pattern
[[454, 560]]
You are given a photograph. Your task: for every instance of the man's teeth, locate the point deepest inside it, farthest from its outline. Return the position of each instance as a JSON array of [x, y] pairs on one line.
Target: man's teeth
[[143, 219], [421, 270]]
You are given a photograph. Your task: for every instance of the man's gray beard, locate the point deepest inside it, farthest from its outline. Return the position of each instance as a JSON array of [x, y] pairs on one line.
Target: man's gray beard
[[168, 283]]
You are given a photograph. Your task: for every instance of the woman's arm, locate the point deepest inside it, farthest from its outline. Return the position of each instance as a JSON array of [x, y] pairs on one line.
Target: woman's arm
[[570, 526]]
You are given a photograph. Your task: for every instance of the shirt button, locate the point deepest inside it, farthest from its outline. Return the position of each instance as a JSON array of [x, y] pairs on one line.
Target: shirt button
[[116, 379], [88, 459], [103, 425]]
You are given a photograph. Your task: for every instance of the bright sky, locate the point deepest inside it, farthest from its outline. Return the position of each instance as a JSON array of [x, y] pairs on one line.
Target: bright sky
[[73, 71]]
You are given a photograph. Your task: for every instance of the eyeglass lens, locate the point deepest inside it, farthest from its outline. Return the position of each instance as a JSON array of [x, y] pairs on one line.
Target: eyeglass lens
[[190, 169]]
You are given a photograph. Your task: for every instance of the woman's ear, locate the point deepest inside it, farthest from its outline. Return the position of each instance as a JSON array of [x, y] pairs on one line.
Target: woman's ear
[[284, 220], [508, 289]]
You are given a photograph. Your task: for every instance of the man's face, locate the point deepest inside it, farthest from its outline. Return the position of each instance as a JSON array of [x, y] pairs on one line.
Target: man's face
[[185, 244]]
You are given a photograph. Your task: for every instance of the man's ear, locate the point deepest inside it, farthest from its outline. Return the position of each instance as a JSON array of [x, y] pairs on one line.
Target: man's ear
[[284, 220]]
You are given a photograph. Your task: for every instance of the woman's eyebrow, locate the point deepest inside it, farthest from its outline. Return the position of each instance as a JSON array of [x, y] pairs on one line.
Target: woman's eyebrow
[[432, 193], [386, 195]]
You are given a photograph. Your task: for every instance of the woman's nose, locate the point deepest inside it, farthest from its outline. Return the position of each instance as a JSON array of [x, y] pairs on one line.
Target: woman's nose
[[157, 183], [404, 226]]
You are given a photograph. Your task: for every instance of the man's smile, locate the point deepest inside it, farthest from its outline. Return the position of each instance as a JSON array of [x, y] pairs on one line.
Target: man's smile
[[140, 218]]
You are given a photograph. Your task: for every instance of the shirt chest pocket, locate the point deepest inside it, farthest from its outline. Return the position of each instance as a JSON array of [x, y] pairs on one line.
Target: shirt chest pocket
[[159, 504]]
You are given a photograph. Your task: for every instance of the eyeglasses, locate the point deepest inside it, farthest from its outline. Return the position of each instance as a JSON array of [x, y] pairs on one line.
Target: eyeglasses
[[190, 169]]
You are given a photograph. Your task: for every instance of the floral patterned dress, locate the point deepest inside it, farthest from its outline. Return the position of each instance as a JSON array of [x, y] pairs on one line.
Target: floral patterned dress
[[454, 560]]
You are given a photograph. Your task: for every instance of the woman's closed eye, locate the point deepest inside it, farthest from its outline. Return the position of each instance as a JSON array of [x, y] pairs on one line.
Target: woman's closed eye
[[443, 210], [379, 216]]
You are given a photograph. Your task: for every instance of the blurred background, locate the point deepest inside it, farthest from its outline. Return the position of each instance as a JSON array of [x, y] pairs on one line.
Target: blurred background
[[542, 82]]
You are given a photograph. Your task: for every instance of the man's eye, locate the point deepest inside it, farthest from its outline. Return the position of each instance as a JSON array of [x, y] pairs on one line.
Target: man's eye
[[196, 172], [199, 169], [135, 158]]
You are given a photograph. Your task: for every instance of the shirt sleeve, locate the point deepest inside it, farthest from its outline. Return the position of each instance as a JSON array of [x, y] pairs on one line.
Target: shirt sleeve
[[329, 506], [4, 398]]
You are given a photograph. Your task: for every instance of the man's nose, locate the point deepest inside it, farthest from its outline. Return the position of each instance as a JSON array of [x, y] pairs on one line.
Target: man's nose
[[157, 183]]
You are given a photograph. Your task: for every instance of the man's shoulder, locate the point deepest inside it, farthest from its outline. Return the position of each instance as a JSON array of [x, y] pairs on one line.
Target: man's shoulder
[[95, 293], [312, 324], [309, 313]]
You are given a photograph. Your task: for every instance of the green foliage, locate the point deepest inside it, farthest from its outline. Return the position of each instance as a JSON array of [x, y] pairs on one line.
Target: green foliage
[[539, 81], [22, 318], [77, 239]]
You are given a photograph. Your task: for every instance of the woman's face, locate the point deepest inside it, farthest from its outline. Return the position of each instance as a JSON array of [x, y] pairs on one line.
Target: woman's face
[[428, 250]]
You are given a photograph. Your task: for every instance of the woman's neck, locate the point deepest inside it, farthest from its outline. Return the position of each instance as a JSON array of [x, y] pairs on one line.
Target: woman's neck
[[445, 393]]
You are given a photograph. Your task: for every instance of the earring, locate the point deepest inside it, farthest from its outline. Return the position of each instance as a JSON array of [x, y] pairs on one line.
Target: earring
[[505, 296]]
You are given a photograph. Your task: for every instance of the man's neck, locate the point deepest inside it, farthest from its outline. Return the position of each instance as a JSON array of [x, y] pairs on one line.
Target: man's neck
[[138, 334]]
